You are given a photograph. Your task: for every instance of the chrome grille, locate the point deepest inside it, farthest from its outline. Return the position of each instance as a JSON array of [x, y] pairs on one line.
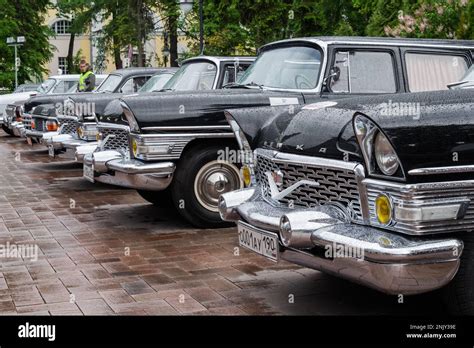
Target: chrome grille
[[27, 121], [422, 195], [68, 127], [336, 185], [117, 138]]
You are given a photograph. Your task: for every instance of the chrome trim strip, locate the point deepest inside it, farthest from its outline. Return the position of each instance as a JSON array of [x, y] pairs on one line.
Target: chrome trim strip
[[112, 126], [442, 170], [414, 188], [150, 137], [309, 160], [184, 128]]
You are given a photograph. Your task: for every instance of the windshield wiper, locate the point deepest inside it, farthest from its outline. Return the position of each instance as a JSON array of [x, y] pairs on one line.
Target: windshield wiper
[[459, 84], [239, 85], [163, 90]]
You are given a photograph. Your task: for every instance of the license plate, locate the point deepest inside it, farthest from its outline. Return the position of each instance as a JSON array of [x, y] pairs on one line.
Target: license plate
[[89, 172], [262, 242], [51, 151]]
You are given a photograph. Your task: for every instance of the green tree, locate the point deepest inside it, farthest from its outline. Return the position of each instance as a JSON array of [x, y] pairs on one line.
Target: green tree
[[24, 18], [452, 19]]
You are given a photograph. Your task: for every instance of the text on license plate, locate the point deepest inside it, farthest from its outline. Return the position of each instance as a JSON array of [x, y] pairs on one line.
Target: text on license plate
[[51, 151], [262, 242]]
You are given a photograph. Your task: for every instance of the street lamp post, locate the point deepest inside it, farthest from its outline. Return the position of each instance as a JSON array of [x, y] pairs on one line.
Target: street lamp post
[[201, 27], [15, 42]]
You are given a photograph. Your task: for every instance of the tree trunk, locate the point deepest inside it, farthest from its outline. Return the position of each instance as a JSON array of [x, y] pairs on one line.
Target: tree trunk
[[117, 58], [173, 29], [70, 55]]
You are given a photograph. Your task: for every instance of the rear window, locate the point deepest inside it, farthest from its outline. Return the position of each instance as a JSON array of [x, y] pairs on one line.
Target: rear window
[[433, 72]]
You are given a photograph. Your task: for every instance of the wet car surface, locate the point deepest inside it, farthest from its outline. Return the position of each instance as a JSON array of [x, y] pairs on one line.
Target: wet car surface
[[104, 250]]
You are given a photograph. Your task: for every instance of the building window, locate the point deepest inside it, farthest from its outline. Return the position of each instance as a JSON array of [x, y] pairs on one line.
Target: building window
[[62, 64], [62, 26]]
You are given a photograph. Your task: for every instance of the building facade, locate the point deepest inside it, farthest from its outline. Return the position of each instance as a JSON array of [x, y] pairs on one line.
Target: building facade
[[86, 44]]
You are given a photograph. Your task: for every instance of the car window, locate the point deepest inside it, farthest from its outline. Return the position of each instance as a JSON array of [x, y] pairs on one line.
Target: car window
[[155, 83], [63, 86], [193, 76], [134, 84], [110, 84], [363, 72], [433, 72], [46, 86], [295, 67], [230, 70]]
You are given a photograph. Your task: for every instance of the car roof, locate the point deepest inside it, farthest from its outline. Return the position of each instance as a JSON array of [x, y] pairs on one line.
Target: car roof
[[135, 71], [65, 77], [218, 59], [380, 41]]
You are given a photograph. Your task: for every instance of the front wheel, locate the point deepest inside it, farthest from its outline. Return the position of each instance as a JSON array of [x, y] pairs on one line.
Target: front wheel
[[7, 130], [200, 178], [459, 294]]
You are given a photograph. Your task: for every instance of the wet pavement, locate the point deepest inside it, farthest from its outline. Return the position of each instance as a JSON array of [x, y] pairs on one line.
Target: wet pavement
[[105, 251]]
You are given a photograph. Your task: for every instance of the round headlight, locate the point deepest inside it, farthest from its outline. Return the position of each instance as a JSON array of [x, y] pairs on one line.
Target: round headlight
[[385, 155]]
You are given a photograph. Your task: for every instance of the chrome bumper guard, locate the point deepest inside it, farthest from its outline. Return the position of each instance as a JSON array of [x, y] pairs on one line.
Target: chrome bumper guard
[[111, 167], [18, 129], [391, 263], [83, 150]]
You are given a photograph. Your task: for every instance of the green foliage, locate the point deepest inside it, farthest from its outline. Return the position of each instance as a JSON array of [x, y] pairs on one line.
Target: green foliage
[[230, 26], [435, 19], [24, 18]]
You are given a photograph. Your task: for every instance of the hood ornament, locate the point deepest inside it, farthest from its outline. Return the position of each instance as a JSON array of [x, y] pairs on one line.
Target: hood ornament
[[275, 181]]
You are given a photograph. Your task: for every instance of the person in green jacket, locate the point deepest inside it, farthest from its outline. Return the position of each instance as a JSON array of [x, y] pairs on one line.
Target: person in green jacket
[[87, 78]]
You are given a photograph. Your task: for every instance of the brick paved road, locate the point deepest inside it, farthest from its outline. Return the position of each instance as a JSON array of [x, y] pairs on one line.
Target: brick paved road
[[104, 250]]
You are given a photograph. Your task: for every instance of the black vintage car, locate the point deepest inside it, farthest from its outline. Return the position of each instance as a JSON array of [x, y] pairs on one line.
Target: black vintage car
[[44, 115], [378, 190], [172, 145]]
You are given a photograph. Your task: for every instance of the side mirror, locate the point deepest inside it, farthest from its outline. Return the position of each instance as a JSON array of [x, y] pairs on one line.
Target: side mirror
[[334, 75]]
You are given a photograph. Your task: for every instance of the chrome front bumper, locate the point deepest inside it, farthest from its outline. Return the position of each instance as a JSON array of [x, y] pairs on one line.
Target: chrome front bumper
[[18, 129], [110, 167], [391, 263], [66, 141], [28, 133]]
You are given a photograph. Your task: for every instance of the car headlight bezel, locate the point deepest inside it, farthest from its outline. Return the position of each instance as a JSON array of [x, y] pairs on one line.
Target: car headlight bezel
[[367, 133]]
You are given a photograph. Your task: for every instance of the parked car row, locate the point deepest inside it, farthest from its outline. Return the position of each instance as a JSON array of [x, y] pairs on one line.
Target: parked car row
[[346, 155], [11, 104]]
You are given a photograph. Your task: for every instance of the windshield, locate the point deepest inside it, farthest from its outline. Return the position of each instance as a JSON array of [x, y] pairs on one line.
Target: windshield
[[469, 75], [110, 84], [285, 68], [155, 83], [193, 77], [46, 86], [467, 80]]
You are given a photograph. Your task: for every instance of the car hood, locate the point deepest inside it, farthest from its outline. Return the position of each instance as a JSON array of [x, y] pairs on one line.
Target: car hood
[[438, 133], [15, 97], [200, 108], [89, 102]]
